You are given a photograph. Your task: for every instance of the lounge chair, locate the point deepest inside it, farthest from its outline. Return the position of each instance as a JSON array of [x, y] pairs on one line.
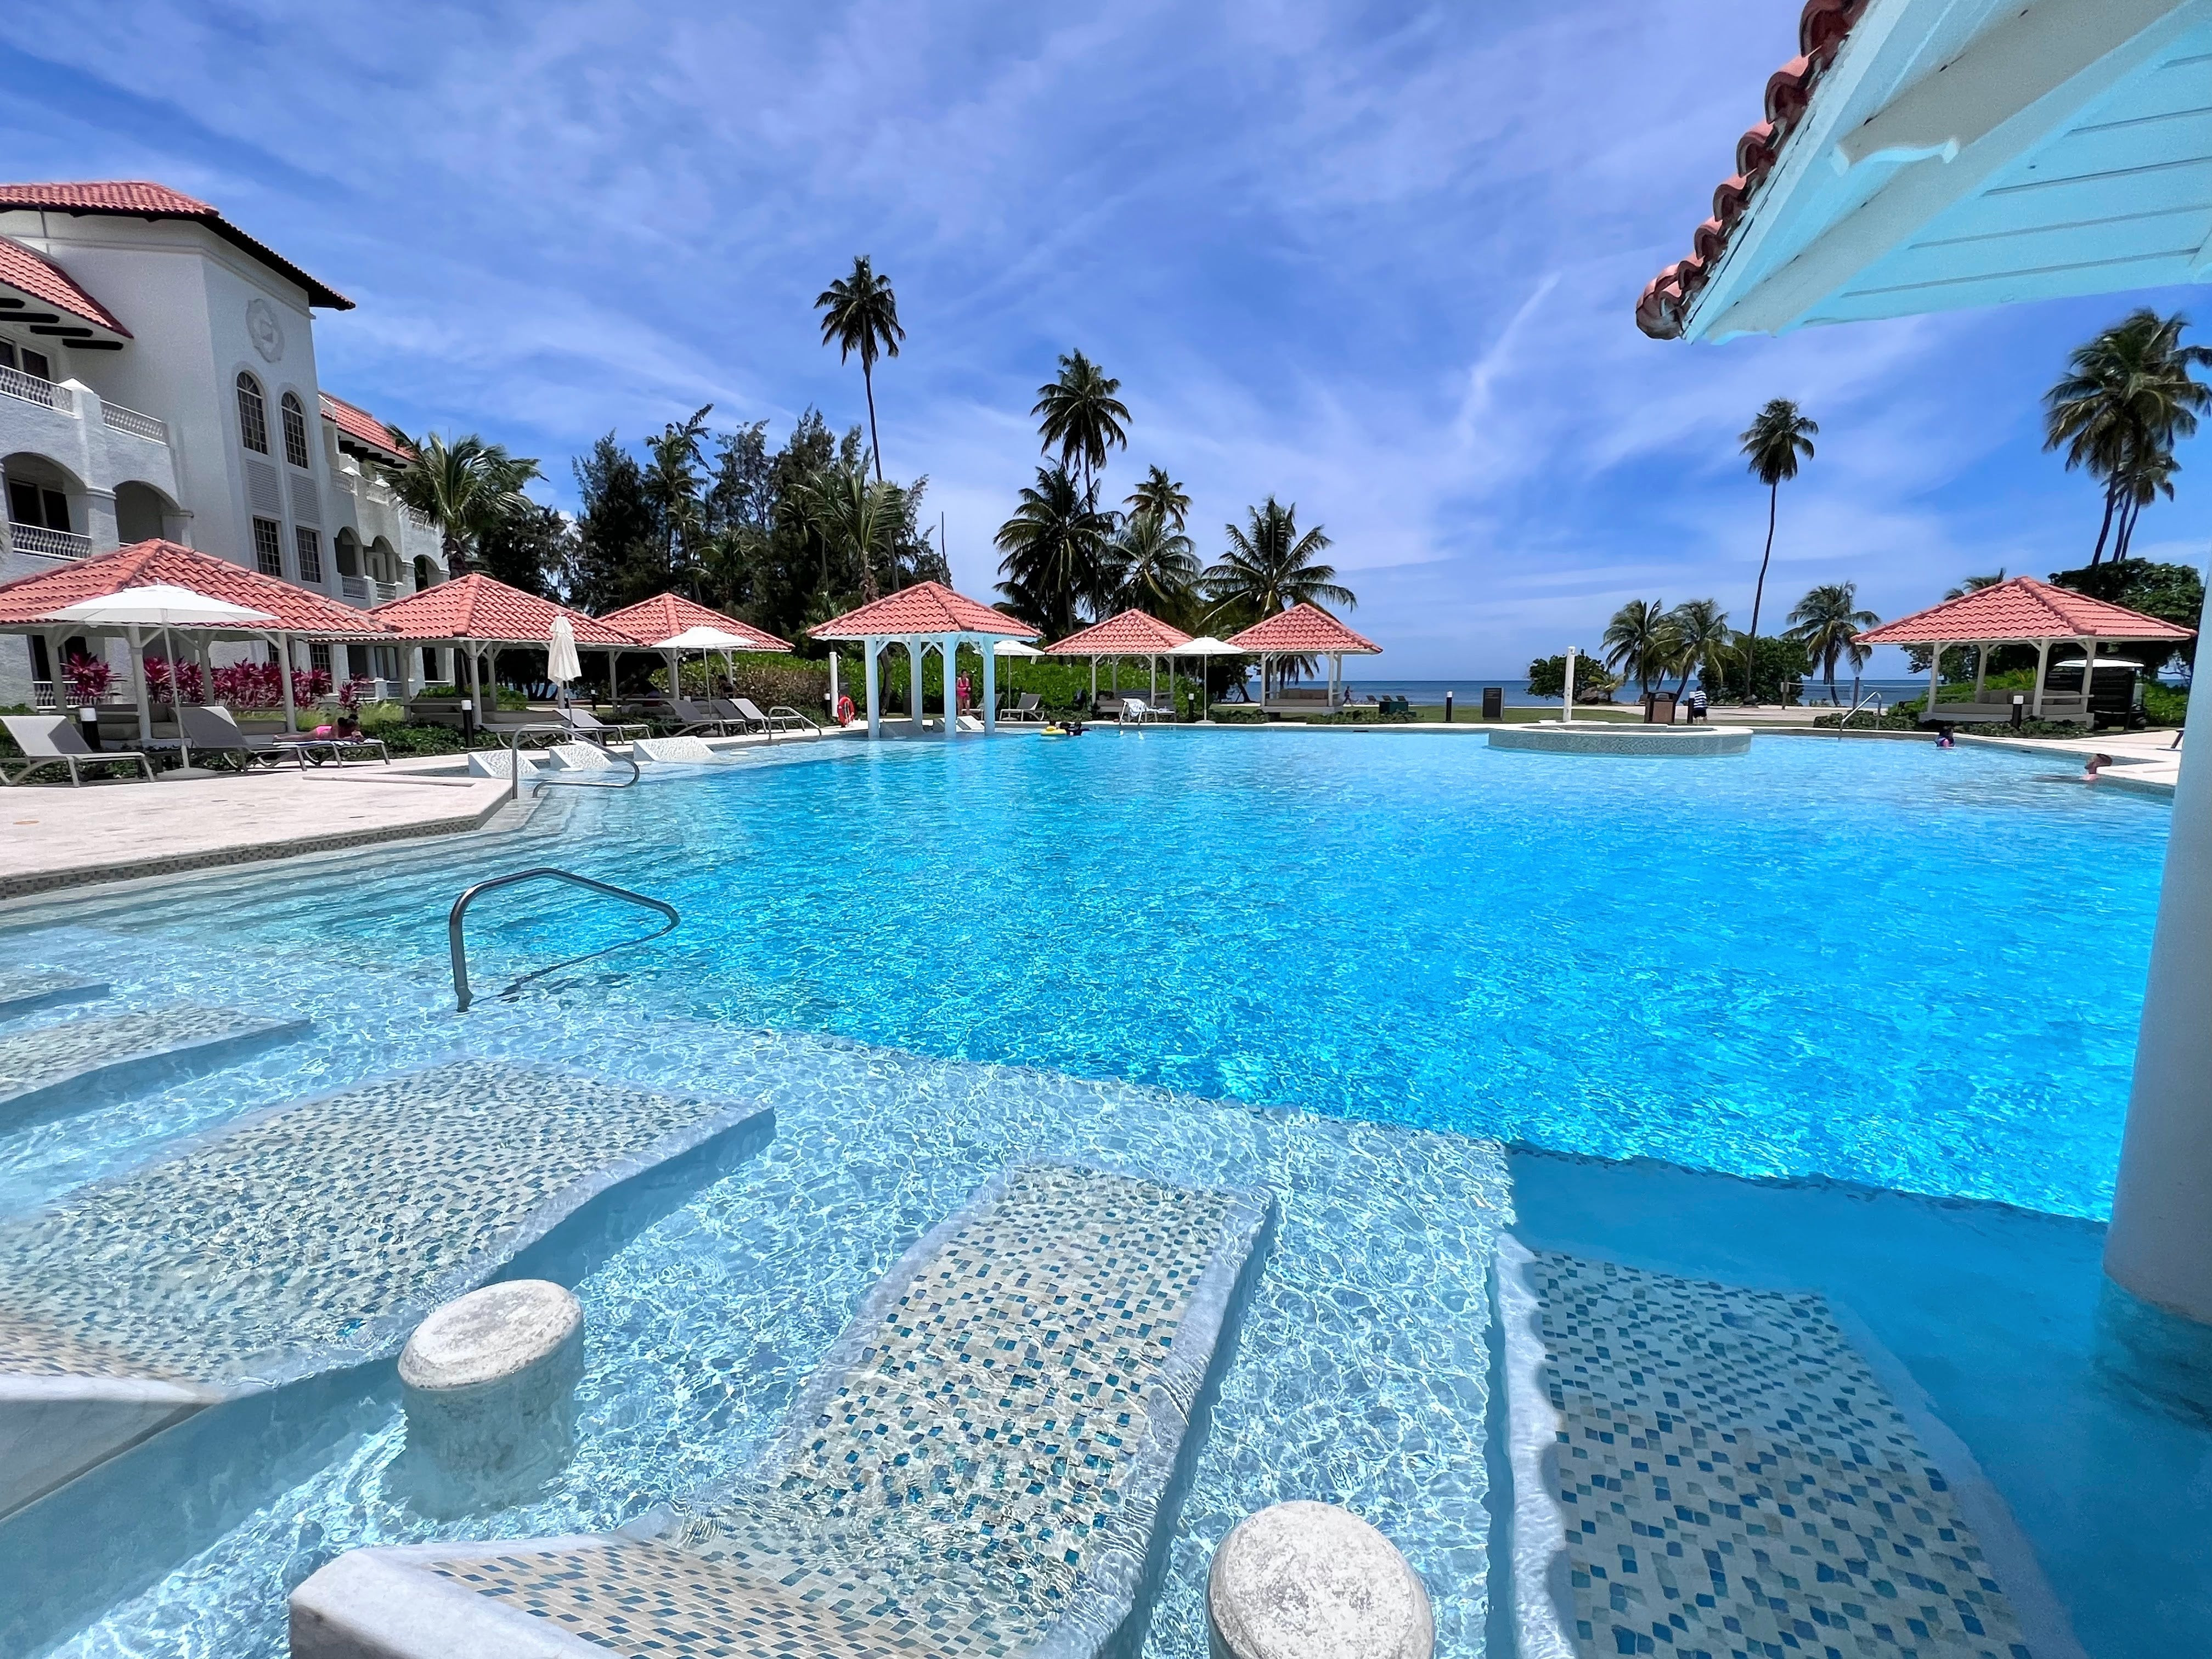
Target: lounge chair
[[1025, 709], [778, 719], [210, 729], [54, 741], [694, 719], [1137, 710], [585, 723]]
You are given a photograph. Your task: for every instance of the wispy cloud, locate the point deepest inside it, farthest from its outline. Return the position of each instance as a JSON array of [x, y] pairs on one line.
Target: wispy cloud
[[1376, 259]]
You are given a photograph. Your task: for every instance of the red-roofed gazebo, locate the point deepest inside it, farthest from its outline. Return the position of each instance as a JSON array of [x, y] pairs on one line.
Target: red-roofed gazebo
[[1131, 634], [665, 615], [2021, 612], [927, 615], [28, 601], [1305, 630], [476, 611]]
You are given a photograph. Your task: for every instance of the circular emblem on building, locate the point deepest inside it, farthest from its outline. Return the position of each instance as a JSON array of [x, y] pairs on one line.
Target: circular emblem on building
[[267, 333]]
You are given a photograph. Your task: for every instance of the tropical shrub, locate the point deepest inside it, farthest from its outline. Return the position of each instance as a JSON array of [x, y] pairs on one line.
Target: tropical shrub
[[89, 678], [1547, 677], [189, 685]]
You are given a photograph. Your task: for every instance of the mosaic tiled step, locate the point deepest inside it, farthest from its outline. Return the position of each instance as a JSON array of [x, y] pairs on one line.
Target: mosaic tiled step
[[26, 990], [1705, 1469], [306, 1239], [51, 1067], [979, 1467]]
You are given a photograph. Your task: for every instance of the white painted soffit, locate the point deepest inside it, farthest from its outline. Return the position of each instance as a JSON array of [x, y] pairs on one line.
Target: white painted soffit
[[1964, 153]]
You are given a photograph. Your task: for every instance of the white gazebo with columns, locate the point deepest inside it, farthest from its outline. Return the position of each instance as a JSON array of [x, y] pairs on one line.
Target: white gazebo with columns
[[927, 616]]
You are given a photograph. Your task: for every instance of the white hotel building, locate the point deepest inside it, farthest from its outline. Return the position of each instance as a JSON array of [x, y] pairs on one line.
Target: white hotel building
[[157, 378]]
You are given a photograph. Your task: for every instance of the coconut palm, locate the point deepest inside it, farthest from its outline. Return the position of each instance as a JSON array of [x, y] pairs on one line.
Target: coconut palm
[[1078, 415], [1161, 496], [1054, 546], [1640, 640], [1827, 622], [466, 487], [2127, 397], [858, 519], [1270, 567], [1150, 565], [860, 314], [671, 484], [1777, 436], [1701, 637]]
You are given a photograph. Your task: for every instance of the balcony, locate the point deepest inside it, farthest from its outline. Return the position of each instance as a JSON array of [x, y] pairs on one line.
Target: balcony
[[44, 542], [354, 589], [138, 425], [387, 591], [13, 383]]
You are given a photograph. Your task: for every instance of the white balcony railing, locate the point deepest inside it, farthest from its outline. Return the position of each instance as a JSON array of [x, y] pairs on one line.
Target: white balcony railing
[[47, 544], [387, 591], [138, 425], [33, 390], [354, 588]]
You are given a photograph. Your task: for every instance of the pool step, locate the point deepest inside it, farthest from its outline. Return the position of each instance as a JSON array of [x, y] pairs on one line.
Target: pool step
[[980, 1465], [84, 1063], [26, 990], [302, 1239], [1703, 1466]]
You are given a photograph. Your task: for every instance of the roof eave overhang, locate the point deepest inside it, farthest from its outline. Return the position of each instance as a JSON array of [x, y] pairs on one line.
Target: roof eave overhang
[[321, 295]]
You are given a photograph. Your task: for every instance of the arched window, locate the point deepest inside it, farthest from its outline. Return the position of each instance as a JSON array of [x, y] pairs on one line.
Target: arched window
[[348, 552], [295, 431], [252, 416]]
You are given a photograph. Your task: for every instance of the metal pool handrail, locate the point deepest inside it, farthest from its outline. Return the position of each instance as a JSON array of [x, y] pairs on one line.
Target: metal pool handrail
[[514, 759], [543, 872]]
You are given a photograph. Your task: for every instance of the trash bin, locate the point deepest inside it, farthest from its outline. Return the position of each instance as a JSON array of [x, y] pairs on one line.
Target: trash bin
[[1493, 702]]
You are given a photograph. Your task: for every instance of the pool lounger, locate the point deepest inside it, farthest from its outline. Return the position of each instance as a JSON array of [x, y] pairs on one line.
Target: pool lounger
[[26, 990], [92, 1060], [301, 1239], [988, 1461]]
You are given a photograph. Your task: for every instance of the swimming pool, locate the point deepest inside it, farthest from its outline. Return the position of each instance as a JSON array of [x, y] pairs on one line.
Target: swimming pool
[[1869, 963]]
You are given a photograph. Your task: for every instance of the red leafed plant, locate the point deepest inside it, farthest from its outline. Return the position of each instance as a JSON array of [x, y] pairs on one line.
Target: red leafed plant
[[161, 669], [89, 678]]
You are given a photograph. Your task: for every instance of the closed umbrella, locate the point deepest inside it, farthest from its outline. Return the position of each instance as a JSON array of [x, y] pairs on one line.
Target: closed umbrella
[[560, 663], [166, 606]]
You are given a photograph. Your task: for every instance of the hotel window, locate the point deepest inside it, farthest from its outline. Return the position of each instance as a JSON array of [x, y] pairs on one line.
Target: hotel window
[[295, 431], [32, 363], [311, 554], [318, 656], [41, 508], [268, 547], [252, 416]]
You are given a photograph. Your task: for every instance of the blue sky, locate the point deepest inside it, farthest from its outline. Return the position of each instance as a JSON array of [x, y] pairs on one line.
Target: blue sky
[[1378, 260]]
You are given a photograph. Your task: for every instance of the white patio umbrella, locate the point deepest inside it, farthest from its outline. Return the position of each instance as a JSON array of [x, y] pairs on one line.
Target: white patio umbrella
[[1013, 649], [702, 638], [1204, 645], [560, 663], [163, 605]]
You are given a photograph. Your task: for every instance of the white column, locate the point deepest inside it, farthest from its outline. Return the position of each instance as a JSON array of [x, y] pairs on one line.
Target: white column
[[285, 679], [869, 648], [2159, 1248], [1935, 675], [833, 680], [990, 684], [2042, 666], [914, 650], [950, 647], [138, 688], [1567, 700], [2088, 668], [1981, 670]]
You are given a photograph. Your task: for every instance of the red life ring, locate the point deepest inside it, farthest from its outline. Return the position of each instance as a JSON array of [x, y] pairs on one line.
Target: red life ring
[[844, 711]]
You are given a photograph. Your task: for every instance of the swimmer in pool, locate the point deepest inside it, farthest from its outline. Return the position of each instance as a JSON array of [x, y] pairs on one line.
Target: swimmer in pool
[[2097, 763]]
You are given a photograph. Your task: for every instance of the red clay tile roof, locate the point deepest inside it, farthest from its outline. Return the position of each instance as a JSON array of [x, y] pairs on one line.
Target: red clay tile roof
[[2021, 608], [666, 615], [135, 198], [925, 608], [1821, 27], [1305, 630], [364, 428], [1131, 634], [28, 272], [142, 564], [477, 607]]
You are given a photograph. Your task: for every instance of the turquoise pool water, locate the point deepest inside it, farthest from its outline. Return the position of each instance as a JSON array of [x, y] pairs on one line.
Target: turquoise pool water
[[1872, 962]]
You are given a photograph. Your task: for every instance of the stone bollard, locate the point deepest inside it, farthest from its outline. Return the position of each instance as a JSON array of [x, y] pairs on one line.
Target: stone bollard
[[490, 1380], [1311, 1580]]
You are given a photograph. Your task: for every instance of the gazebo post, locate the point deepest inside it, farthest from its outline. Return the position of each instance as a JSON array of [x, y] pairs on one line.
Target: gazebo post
[[2042, 666], [870, 648], [285, 680], [990, 686], [138, 688], [914, 657], [950, 649], [833, 680], [1935, 675], [1981, 669]]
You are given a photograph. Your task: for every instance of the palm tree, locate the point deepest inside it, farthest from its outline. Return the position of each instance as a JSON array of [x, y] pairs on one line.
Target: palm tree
[[466, 487], [859, 519], [2140, 482], [671, 484], [860, 314], [1701, 636], [1776, 436], [1054, 546], [1078, 415], [1827, 622], [2127, 397], [1640, 640], [1151, 566], [1270, 567], [1161, 496]]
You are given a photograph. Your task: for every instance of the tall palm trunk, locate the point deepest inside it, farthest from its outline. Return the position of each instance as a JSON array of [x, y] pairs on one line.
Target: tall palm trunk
[[457, 561], [875, 446], [1758, 596], [2112, 495]]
